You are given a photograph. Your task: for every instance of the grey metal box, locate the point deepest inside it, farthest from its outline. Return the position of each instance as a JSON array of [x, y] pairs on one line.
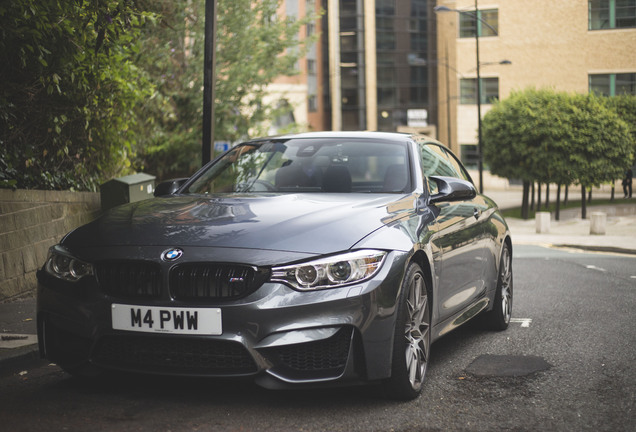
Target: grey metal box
[[122, 190]]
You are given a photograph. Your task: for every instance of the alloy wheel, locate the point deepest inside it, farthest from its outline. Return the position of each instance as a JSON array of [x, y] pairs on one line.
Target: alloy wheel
[[417, 332]]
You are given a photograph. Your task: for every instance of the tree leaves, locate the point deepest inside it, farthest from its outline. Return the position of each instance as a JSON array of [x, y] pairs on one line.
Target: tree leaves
[[63, 97], [552, 137], [254, 46]]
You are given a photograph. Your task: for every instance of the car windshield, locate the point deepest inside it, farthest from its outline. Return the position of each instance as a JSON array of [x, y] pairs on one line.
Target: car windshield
[[309, 165]]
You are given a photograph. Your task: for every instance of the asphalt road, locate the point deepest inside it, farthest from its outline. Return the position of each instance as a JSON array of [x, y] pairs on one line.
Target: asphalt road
[[570, 356]]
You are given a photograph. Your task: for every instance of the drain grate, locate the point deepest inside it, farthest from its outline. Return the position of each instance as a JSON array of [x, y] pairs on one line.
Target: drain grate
[[10, 341]]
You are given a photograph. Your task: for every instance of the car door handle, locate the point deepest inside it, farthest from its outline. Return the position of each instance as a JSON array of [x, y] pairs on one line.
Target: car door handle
[[476, 212]]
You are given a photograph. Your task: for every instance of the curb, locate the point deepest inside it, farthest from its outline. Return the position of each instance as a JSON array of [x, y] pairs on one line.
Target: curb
[[17, 357], [608, 249]]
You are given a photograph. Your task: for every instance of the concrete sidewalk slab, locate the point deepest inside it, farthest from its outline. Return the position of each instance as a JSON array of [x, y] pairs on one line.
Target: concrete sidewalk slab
[[18, 340]]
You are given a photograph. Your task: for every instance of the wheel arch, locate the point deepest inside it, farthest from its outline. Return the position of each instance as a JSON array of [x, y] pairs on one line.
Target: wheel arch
[[421, 259], [506, 242]]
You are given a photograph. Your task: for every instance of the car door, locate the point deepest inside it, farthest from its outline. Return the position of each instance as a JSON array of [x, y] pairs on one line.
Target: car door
[[460, 238]]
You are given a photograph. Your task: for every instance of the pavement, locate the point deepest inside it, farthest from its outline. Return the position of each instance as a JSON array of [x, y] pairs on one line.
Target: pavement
[[18, 340]]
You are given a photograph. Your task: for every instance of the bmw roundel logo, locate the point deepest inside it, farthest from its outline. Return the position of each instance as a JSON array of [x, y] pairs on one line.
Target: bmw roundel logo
[[172, 254]]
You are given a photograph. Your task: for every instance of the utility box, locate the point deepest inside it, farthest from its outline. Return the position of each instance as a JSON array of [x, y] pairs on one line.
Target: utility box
[[122, 190]]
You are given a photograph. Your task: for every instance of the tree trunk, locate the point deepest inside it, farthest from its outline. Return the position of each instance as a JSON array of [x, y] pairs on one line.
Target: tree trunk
[[557, 215], [524, 200], [613, 187], [565, 200], [583, 203], [539, 196], [589, 197], [532, 201], [547, 196]]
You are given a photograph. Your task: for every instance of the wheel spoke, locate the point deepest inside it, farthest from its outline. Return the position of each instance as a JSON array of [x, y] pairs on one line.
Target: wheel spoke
[[506, 284], [417, 332]]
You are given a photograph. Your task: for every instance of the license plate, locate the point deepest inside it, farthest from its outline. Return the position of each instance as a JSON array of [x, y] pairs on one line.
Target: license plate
[[153, 319]]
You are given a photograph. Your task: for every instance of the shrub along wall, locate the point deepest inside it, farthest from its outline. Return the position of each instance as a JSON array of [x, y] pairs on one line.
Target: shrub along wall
[[30, 222]]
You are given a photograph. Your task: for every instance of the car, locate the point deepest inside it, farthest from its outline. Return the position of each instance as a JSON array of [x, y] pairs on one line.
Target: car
[[301, 260]]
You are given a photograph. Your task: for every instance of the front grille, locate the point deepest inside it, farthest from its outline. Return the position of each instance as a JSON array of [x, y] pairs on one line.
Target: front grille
[[202, 281], [131, 279], [161, 354], [324, 355]]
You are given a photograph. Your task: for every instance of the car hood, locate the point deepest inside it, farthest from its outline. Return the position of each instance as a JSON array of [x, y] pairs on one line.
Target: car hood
[[308, 223]]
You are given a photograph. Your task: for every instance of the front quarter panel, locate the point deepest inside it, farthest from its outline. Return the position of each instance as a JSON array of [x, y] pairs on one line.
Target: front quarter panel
[[497, 232]]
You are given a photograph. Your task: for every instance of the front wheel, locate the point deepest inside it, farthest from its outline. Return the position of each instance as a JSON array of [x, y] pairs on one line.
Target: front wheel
[[411, 347], [499, 317]]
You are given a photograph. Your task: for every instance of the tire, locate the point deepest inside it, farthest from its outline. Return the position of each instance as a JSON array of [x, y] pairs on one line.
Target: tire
[[412, 340], [499, 317]]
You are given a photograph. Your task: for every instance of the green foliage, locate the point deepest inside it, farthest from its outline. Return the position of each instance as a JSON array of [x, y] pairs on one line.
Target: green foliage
[[625, 107], [551, 137], [88, 84], [600, 143], [253, 46], [69, 91]]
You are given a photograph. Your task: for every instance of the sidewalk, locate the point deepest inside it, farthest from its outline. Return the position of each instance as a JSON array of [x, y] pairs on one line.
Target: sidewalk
[[18, 341], [571, 230]]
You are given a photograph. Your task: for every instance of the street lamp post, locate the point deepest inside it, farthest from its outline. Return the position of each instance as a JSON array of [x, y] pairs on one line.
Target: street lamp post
[[479, 148], [209, 62], [479, 140]]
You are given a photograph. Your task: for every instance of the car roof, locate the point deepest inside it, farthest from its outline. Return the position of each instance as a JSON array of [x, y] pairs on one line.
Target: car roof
[[389, 136]]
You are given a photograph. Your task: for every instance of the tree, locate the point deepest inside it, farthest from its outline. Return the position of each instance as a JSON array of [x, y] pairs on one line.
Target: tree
[[625, 107], [254, 46], [69, 91], [523, 138], [551, 137], [601, 143]]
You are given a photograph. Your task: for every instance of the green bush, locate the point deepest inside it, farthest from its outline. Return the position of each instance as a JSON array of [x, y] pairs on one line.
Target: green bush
[[70, 90]]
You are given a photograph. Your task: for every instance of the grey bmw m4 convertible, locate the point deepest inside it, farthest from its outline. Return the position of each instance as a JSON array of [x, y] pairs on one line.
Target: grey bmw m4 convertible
[[298, 260]]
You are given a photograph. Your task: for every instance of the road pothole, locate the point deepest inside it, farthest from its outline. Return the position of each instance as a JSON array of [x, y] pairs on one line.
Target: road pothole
[[490, 365]]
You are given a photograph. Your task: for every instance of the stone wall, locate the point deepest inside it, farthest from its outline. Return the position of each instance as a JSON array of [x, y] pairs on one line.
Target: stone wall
[[30, 222]]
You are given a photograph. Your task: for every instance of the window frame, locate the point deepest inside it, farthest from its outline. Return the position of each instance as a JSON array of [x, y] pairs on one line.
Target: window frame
[[597, 21], [448, 164], [478, 18], [612, 83], [466, 99]]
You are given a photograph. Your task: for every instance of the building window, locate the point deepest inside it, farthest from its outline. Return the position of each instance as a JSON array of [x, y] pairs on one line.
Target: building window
[[311, 67], [312, 103], [611, 14], [470, 155], [284, 116], [613, 84], [486, 24], [489, 90]]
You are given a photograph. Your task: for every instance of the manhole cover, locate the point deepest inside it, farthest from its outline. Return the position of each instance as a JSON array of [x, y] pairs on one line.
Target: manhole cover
[[507, 365]]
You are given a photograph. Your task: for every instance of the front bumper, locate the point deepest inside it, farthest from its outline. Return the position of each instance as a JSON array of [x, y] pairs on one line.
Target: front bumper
[[276, 335]]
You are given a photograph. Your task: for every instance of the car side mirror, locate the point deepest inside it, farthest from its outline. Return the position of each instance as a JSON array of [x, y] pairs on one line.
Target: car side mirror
[[452, 189], [169, 187]]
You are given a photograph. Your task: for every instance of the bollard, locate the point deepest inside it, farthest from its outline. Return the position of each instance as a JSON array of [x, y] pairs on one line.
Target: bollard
[[542, 222], [597, 223]]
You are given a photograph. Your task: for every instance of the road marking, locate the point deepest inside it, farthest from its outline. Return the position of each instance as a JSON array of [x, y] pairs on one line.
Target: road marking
[[593, 267], [525, 322]]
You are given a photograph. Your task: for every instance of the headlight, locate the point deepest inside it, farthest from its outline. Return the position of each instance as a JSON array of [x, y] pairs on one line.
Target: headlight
[[332, 271], [64, 266]]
